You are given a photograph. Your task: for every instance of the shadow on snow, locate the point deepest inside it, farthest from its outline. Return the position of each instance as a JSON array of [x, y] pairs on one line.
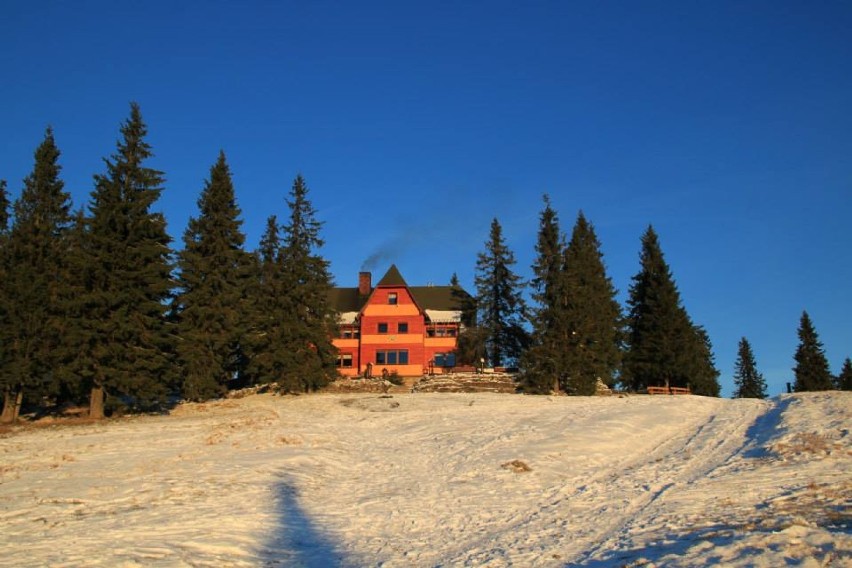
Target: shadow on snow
[[671, 545], [297, 540], [765, 428]]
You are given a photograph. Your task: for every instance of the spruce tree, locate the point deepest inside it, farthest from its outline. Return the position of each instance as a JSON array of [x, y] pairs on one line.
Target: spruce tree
[[126, 346], [76, 329], [310, 284], [271, 315], [4, 209], [700, 372], [213, 286], [499, 301], [844, 379], [36, 257], [591, 316], [748, 382], [470, 347], [465, 303], [543, 363], [6, 383], [664, 346], [288, 345], [811, 370]]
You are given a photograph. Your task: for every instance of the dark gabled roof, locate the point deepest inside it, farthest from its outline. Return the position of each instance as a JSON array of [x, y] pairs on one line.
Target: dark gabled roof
[[346, 299], [426, 297], [392, 278], [438, 297]]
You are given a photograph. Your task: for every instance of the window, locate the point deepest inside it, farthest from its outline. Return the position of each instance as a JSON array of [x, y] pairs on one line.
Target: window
[[344, 360], [445, 359], [349, 332], [441, 331], [402, 328], [392, 298], [392, 357], [383, 327]]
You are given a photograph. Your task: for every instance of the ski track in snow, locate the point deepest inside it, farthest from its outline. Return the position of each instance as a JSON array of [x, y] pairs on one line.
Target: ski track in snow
[[416, 480]]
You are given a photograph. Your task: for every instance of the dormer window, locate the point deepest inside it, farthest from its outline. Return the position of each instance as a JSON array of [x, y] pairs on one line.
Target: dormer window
[[392, 298]]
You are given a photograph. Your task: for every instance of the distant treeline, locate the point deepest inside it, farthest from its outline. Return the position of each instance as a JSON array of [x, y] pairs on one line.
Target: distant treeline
[[96, 307]]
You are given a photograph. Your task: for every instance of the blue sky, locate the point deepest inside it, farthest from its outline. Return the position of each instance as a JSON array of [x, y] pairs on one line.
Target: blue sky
[[726, 125]]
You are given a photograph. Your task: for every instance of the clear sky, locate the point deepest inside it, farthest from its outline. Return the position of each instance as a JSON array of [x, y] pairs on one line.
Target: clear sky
[[726, 125]]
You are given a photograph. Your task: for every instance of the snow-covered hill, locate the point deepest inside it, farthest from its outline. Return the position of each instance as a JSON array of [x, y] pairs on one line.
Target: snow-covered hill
[[438, 480]]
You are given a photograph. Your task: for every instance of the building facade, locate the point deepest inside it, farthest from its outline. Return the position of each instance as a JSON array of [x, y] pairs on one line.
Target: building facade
[[393, 327]]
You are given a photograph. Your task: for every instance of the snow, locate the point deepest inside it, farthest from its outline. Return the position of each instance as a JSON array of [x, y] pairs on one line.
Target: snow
[[347, 318], [444, 316], [437, 480]]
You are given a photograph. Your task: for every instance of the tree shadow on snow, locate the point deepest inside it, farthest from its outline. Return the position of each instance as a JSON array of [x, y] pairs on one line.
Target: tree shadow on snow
[[297, 540], [765, 428], [671, 545]]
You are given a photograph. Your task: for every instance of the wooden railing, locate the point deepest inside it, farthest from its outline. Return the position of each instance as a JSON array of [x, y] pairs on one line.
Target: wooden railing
[[668, 390]]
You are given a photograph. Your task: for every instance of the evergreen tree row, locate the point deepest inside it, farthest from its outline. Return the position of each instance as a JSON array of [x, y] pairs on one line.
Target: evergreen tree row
[[96, 306], [576, 334]]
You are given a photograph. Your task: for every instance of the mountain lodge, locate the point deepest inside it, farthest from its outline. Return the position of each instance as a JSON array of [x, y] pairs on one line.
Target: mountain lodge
[[409, 330]]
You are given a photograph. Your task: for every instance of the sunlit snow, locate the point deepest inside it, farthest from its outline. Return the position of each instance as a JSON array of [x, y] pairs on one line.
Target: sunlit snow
[[437, 480]]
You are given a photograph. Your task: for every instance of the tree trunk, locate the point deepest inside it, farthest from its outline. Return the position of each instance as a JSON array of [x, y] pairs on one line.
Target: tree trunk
[[6, 417], [12, 399], [96, 403]]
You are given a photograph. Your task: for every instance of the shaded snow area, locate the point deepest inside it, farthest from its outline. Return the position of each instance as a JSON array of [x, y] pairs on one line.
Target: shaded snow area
[[438, 480]]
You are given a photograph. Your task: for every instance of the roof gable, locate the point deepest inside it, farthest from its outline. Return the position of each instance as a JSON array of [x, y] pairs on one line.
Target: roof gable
[[392, 278]]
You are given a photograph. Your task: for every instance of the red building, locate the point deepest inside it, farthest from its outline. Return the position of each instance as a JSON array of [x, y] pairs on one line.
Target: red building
[[407, 329]]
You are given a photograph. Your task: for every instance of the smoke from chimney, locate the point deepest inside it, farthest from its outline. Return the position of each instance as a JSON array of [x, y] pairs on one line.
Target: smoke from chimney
[[390, 250]]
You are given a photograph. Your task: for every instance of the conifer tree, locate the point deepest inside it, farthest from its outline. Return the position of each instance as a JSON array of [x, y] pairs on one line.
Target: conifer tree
[[748, 382], [499, 301], [464, 302], [213, 290], [700, 372], [811, 370], [36, 255], [310, 283], [470, 346], [591, 314], [543, 363], [4, 208], [844, 379], [9, 396], [272, 319], [126, 345], [664, 346], [75, 329]]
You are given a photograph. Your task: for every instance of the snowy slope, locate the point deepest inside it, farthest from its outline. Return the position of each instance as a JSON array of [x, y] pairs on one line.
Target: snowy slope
[[438, 480]]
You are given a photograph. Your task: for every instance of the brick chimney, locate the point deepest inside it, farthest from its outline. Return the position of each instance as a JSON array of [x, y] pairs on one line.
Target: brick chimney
[[365, 283]]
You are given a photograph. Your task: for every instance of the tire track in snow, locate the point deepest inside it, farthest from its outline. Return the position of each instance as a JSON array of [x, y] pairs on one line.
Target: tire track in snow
[[711, 446], [551, 516], [572, 523]]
